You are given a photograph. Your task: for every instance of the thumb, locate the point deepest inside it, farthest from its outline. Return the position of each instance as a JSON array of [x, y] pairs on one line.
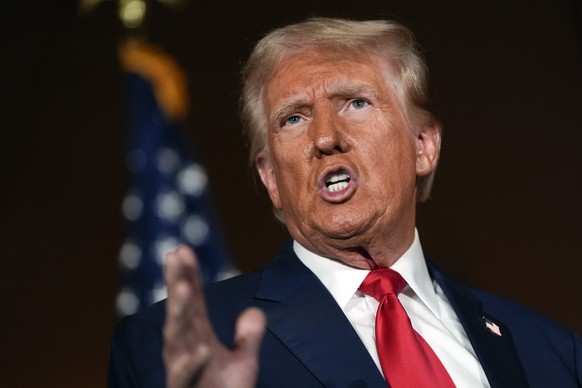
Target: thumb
[[250, 328]]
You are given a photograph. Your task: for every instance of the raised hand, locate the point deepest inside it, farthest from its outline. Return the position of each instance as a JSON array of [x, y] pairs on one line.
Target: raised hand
[[193, 355]]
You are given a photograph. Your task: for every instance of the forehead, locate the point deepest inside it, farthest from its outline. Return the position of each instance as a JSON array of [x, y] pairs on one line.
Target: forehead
[[325, 72]]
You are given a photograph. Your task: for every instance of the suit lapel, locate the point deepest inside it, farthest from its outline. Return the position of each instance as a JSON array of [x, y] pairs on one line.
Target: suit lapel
[[496, 353], [312, 326]]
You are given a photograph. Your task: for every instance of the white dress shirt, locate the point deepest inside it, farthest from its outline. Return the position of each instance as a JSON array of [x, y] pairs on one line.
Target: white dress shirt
[[424, 301]]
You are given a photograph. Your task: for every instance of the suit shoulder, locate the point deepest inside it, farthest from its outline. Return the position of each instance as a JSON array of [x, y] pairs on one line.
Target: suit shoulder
[[512, 309], [225, 300], [501, 308], [550, 354], [238, 287], [152, 315], [527, 323], [135, 354]]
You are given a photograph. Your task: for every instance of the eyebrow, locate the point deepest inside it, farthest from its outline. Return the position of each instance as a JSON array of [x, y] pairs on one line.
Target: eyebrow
[[291, 105], [344, 90], [338, 90]]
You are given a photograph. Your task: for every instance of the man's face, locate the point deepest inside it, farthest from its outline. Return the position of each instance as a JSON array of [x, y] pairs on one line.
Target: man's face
[[341, 162]]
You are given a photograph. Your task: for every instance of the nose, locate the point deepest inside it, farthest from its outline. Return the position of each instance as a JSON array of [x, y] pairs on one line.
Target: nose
[[328, 134]]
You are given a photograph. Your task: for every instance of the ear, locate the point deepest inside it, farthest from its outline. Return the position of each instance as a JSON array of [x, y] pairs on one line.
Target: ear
[[428, 146], [266, 171]]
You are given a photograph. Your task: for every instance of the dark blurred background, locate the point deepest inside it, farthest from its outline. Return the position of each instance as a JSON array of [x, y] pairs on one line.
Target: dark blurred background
[[505, 214]]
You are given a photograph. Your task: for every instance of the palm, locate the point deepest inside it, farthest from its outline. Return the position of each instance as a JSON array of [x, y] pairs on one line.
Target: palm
[[193, 355]]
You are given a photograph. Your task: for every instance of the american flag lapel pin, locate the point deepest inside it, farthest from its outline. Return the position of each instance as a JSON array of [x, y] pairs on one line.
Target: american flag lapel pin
[[492, 327]]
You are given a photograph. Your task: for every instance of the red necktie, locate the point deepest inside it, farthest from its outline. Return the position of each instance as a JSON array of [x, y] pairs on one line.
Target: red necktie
[[406, 359]]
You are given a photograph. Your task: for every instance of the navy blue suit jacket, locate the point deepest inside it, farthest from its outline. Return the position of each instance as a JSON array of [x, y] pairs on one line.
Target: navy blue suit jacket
[[310, 343]]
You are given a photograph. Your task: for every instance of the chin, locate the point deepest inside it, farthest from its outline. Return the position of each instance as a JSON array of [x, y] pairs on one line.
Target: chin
[[345, 228]]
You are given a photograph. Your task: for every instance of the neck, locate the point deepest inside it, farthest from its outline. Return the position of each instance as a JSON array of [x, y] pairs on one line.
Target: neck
[[363, 253]]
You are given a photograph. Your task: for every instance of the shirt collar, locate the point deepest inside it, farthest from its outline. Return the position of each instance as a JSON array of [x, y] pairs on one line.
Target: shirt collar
[[342, 281]]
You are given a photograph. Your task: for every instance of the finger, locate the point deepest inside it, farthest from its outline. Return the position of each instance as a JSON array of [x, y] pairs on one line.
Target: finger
[[184, 300], [184, 282], [177, 321], [187, 328], [184, 370], [180, 264], [250, 328], [191, 274]]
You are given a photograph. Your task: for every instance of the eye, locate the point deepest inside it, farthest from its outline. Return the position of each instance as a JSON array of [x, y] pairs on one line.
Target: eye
[[292, 120], [359, 103]]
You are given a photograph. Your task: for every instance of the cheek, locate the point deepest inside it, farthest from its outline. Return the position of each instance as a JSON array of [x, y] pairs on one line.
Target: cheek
[[289, 174], [394, 161], [388, 145], [293, 157]]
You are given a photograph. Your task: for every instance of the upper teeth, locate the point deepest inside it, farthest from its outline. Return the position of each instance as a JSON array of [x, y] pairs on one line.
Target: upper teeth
[[337, 182]]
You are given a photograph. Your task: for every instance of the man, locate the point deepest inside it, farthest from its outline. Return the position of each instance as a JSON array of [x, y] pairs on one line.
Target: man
[[345, 144]]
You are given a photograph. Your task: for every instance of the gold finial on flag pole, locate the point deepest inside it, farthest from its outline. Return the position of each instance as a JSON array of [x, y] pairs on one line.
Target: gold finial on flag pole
[[132, 13]]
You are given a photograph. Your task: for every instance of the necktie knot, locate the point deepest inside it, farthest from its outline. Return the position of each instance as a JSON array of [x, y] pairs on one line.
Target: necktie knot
[[381, 282], [405, 357]]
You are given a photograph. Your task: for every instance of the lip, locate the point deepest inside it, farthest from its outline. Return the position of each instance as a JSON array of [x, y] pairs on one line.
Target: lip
[[341, 195]]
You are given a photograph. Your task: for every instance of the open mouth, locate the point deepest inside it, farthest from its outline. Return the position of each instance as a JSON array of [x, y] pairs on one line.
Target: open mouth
[[337, 181], [337, 184]]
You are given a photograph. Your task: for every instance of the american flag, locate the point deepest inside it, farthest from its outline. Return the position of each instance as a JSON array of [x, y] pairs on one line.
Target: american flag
[[167, 203]]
